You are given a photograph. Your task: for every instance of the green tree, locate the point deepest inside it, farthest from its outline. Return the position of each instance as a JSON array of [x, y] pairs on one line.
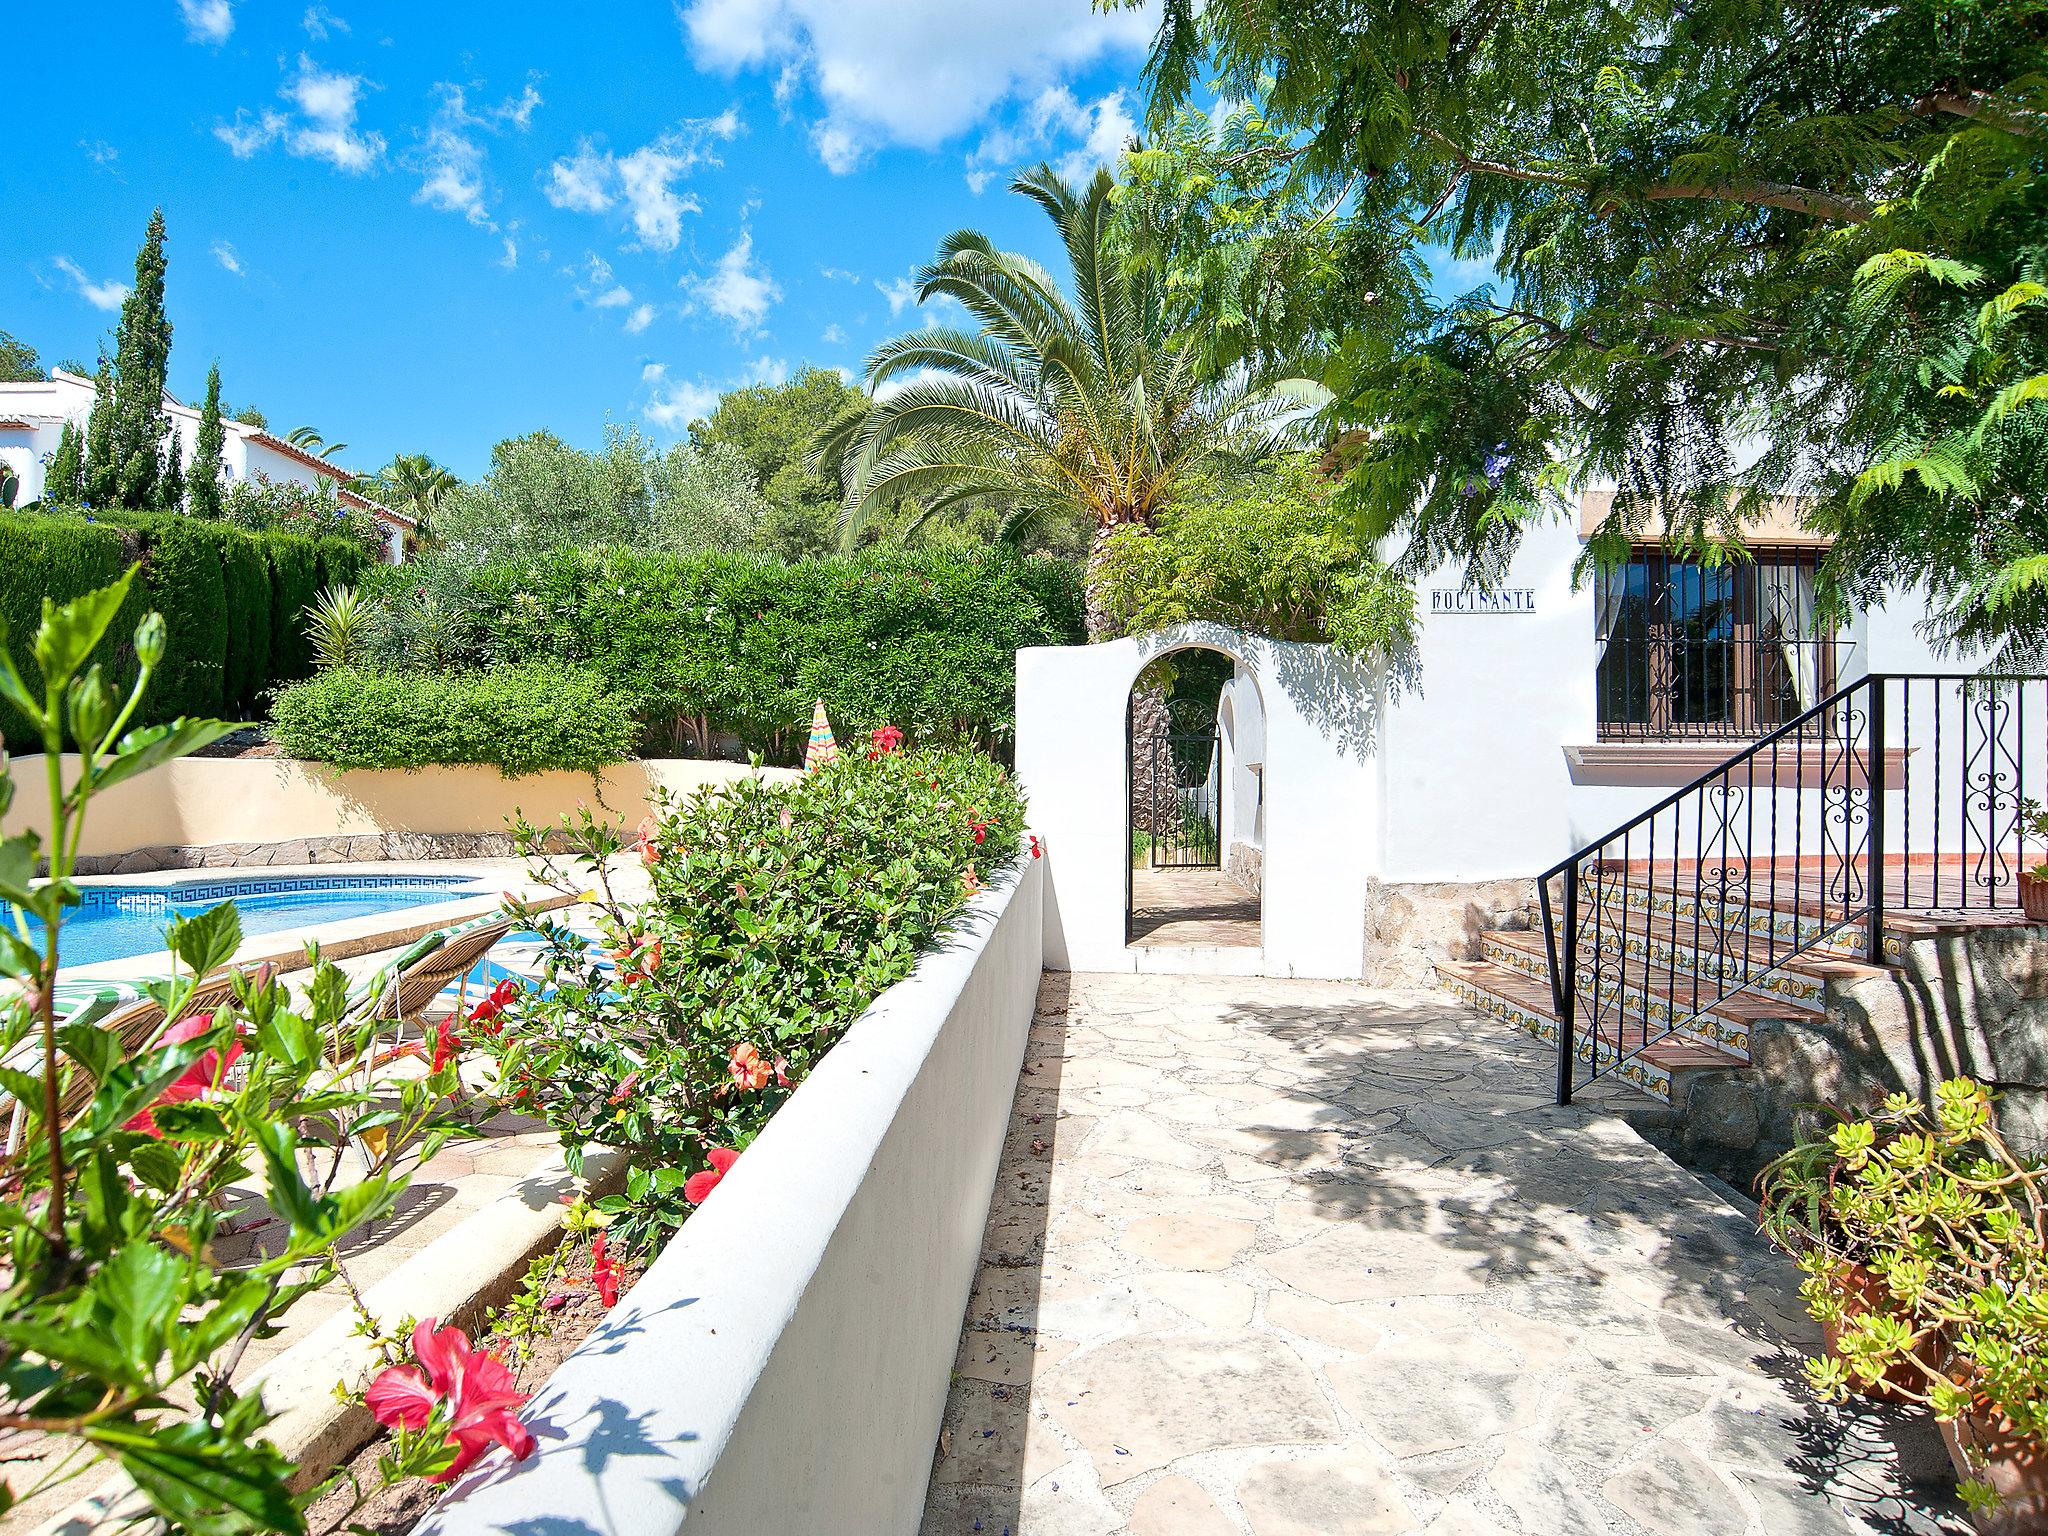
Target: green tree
[[773, 427], [415, 485], [64, 483], [1676, 198], [99, 473], [247, 415], [203, 492], [19, 363], [132, 456], [1062, 410]]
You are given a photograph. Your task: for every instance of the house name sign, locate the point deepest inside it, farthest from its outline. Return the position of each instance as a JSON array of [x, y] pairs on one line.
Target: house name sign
[[1465, 600]]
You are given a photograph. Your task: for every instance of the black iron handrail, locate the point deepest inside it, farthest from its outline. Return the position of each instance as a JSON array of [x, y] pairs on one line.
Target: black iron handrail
[[1862, 745]]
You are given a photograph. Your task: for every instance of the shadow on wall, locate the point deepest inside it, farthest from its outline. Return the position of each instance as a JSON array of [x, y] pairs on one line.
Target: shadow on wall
[[1336, 693], [978, 1477]]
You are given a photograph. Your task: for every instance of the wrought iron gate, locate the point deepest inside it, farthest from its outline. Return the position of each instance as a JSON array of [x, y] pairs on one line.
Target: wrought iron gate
[[1184, 828]]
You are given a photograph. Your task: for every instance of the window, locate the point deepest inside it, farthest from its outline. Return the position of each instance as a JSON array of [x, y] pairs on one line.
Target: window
[[1687, 649]]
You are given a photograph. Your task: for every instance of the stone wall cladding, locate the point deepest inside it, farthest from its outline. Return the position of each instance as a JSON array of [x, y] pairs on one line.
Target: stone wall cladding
[[1408, 928], [1246, 864], [1966, 1004], [373, 848]]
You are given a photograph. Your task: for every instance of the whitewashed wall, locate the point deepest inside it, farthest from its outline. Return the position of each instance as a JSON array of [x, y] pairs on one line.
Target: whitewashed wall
[[782, 1367], [1321, 722]]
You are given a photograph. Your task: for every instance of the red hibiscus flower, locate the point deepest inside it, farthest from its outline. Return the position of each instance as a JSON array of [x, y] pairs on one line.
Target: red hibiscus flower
[[447, 1044], [749, 1070], [487, 1013], [650, 854], [197, 1080], [1036, 851], [885, 739], [479, 1389], [979, 829], [782, 1071], [701, 1184], [605, 1272], [639, 958], [625, 1089]]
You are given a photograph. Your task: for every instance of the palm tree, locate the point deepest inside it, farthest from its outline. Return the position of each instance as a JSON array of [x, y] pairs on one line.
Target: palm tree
[[310, 440], [1061, 408], [417, 485]]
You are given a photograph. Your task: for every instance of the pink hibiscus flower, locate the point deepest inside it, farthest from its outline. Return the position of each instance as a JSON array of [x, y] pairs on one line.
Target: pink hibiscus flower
[[479, 1389], [197, 1080], [701, 1184]]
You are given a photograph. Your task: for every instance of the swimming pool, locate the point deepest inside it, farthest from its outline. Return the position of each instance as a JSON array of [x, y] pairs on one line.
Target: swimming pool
[[119, 921]]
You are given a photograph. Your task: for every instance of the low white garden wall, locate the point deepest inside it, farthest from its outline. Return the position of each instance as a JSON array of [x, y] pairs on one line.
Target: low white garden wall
[[242, 802], [782, 1367]]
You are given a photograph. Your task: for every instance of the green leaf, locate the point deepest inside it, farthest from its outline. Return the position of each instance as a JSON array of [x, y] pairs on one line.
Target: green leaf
[[290, 1196], [207, 940], [80, 1349], [18, 866], [203, 1483], [140, 751], [139, 1288], [156, 1164], [69, 632]]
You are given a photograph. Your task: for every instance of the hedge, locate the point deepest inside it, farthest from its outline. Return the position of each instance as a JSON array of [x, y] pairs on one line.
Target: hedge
[[230, 600], [714, 647], [520, 719]]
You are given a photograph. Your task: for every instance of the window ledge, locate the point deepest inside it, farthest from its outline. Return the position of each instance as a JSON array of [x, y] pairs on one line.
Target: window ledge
[[1669, 764]]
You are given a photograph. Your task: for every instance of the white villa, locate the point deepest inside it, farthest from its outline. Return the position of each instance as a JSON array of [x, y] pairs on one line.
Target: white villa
[[33, 416]]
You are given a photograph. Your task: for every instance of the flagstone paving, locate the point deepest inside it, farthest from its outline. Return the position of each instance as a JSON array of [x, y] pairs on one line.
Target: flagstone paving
[[1281, 1258]]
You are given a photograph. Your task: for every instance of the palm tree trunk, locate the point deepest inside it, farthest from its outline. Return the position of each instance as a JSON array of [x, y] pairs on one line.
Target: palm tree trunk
[[1102, 625]]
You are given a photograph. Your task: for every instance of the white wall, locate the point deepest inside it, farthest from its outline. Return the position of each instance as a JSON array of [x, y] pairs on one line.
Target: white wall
[[1321, 794], [782, 1367], [1241, 720]]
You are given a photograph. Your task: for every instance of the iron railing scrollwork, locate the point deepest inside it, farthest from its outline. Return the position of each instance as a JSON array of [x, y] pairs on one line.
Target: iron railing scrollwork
[[1897, 792]]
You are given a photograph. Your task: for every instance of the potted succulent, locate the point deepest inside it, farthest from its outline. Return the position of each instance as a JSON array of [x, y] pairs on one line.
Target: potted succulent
[[1924, 1242], [2033, 880]]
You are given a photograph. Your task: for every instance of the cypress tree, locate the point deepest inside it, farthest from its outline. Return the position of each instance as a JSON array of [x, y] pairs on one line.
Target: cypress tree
[[65, 482], [204, 491], [101, 474], [146, 472]]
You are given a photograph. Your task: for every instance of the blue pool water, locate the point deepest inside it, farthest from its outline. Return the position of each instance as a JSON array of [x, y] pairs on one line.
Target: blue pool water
[[118, 921]]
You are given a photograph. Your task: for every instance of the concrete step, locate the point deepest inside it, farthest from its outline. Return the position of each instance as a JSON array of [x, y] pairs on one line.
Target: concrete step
[[1784, 923], [1658, 1068]]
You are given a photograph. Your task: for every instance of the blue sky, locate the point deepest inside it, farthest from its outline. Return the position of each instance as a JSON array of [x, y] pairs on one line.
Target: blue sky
[[423, 228]]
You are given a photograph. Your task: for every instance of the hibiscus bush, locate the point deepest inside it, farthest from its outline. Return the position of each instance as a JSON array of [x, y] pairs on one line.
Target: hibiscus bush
[[779, 912], [121, 1331]]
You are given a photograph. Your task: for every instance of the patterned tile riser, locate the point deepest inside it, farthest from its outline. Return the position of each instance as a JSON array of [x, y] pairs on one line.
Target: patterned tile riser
[[1637, 1073], [1759, 921], [1711, 1029], [1806, 993]]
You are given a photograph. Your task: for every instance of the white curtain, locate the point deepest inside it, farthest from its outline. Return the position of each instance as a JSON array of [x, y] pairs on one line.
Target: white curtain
[[1610, 590], [1787, 593]]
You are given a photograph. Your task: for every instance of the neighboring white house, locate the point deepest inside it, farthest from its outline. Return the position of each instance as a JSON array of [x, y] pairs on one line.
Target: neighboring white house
[[32, 417]]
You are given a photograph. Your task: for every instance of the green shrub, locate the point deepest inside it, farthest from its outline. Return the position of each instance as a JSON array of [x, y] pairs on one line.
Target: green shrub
[[61, 558], [738, 645], [294, 584], [247, 571], [521, 719], [779, 913], [184, 572]]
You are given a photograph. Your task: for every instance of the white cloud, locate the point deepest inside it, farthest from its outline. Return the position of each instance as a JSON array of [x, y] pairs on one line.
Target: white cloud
[[593, 180], [227, 256], [324, 128], [833, 335], [1460, 274], [901, 293], [99, 151], [738, 288], [640, 319], [839, 274], [1075, 136], [452, 168], [319, 21], [580, 182], [107, 295], [207, 21], [510, 259], [674, 404], [598, 288], [915, 72]]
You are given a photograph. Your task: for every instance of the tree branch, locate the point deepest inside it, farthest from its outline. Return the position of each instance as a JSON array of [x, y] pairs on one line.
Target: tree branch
[[1981, 106], [1830, 206]]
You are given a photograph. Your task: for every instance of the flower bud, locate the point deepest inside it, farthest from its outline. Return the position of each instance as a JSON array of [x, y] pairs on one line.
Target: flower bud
[[90, 714], [150, 637]]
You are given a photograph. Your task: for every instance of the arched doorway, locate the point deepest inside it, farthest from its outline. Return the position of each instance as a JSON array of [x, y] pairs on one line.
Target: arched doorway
[[1194, 749]]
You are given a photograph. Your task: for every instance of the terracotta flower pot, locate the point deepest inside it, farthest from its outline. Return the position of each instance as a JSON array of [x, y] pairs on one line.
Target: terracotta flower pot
[[1862, 1294], [2034, 895], [1984, 1445]]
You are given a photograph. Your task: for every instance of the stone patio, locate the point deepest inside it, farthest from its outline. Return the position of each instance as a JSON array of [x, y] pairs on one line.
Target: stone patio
[[1177, 907], [1310, 1259]]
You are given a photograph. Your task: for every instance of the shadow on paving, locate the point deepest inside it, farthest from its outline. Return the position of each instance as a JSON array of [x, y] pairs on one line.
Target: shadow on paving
[[1551, 1203]]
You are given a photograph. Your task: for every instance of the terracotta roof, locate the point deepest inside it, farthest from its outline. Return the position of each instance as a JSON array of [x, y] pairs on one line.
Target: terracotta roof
[[375, 508], [312, 461], [16, 424]]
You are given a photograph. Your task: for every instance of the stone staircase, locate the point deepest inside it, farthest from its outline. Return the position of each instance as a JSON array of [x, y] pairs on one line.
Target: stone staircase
[[1663, 964]]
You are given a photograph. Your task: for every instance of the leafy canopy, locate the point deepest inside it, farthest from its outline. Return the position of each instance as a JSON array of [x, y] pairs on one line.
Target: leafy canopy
[[1677, 198]]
